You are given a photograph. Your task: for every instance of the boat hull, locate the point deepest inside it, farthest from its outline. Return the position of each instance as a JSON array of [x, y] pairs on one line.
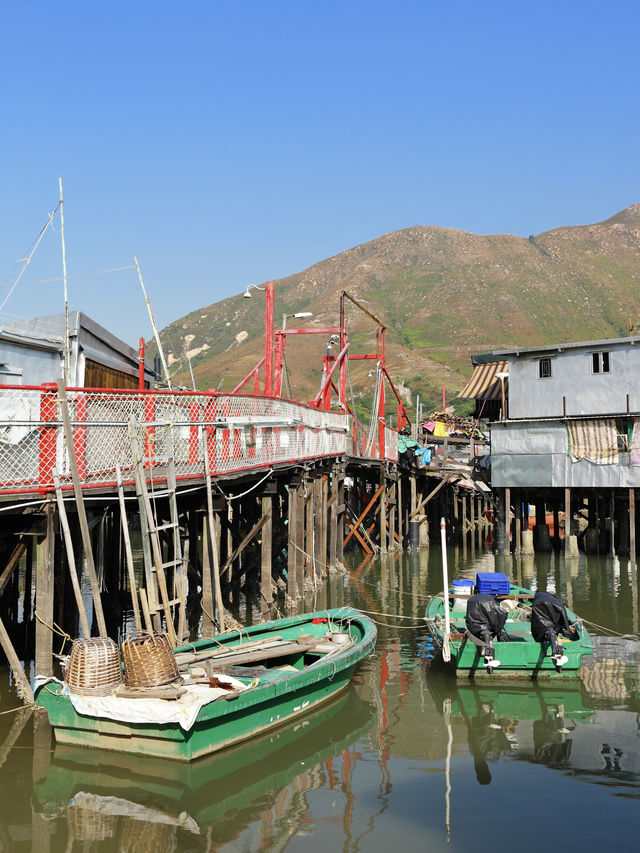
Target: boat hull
[[221, 723], [520, 657]]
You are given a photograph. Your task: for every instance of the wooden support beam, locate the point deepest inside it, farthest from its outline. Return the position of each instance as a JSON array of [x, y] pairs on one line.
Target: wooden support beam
[[567, 521], [213, 545], [266, 557], [257, 527], [632, 525], [207, 604], [383, 512], [300, 552], [340, 510], [318, 557], [14, 560], [82, 515], [23, 688], [426, 500], [45, 554], [361, 517], [359, 531], [292, 550]]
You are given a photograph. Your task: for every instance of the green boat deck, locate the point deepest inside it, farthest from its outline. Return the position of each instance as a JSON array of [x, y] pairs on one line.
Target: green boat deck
[[520, 655], [287, 686]]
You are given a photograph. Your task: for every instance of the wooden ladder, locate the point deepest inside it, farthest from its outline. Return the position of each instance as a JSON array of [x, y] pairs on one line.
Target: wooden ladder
[[155, 566]]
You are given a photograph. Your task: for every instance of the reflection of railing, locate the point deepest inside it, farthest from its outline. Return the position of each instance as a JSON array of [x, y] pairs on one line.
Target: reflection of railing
[[243, 432]]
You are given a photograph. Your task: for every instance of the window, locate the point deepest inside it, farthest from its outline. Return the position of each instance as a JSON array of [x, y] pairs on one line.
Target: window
[[544, 368], [600, 362]]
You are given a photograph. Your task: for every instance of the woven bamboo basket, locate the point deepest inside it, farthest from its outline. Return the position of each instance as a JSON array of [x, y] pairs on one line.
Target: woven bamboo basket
[[94, 667], [149, 661], [139, 836], [89, 825]]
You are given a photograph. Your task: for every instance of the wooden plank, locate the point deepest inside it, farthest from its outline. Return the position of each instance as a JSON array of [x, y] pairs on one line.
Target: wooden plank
[[82, 515]]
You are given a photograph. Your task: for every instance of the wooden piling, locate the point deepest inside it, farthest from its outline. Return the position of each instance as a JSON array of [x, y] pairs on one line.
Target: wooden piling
[[292, 549], [632, 525], [266, 555]]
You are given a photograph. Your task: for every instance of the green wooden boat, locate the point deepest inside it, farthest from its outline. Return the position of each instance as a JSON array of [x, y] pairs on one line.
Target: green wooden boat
[[281, 670], [519, 656], [235, 785]]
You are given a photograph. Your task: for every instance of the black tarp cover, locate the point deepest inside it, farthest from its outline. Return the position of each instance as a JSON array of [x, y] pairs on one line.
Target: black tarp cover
[[485, 617], [548, 614]]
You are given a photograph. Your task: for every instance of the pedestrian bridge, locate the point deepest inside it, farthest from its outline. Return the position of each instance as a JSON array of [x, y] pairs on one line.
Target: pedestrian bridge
[[242, 433]]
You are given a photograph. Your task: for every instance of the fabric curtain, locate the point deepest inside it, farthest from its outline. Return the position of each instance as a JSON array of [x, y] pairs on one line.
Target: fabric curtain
[[596, 441]]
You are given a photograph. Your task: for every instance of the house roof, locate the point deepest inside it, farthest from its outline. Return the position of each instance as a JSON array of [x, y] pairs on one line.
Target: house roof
[[485, 383], [543, 349]]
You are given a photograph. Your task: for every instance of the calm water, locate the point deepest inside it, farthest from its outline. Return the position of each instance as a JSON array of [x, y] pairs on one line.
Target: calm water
[[406, 760]]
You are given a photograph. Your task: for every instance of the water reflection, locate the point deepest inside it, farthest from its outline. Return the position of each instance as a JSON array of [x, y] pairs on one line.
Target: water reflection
[[109, 795], [408, 756]]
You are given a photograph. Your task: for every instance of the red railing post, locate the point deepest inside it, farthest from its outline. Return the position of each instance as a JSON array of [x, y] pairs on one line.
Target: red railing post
[[47, 436]]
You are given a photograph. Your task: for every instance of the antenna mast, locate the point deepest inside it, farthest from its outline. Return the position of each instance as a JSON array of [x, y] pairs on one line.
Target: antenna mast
[[66, 354]]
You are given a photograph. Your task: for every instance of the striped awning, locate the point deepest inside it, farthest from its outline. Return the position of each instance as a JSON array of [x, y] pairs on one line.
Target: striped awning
[[484, 384]]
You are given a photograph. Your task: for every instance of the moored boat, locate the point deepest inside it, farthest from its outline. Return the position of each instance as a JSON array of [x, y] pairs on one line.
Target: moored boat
[[235, 686], [509, 631]]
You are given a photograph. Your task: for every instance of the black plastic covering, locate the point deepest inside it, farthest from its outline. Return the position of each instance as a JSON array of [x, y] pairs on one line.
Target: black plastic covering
[[485, 618], [548, 619], [547, 612]]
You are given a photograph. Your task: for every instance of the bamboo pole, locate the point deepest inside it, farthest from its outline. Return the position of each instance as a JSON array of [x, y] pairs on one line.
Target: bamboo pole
[[127, 551], [23, 687], [215, 557], [82, 515], [71, 559]]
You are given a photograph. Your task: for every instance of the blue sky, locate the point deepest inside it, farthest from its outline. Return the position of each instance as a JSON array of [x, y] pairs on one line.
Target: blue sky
[[232, 142]]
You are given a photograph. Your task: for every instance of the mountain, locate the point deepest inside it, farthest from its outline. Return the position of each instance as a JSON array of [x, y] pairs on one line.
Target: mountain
[[443, 295]]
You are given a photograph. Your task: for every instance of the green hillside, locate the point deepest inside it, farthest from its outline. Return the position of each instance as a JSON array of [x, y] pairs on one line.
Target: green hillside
[[443, 294]]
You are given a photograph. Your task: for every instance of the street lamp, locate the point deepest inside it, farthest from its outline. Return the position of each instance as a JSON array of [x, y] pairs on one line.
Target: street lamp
[[247, 294], [286, 317]]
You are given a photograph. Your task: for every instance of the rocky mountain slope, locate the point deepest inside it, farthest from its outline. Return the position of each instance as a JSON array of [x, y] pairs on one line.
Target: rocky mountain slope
[[443, 294]]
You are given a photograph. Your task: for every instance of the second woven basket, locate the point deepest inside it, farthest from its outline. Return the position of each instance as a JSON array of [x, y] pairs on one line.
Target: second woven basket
[[149, 661]]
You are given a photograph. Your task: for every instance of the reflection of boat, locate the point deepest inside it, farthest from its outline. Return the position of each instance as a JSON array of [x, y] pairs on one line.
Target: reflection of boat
[[515, 653], [280, 671], [206, 790], [493, 714]]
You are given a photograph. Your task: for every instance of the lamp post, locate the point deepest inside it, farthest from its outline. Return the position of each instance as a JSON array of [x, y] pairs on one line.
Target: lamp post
[[268, 333]]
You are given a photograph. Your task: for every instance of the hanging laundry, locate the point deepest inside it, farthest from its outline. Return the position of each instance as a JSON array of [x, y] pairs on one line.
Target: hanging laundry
[[635, 443], [596, 441]]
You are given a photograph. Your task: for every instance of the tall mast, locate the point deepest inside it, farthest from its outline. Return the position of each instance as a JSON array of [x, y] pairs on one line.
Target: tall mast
[[153, 324], [67, 355]]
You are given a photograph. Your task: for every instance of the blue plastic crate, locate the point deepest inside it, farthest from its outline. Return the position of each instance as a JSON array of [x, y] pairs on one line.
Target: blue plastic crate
[[494, 583]]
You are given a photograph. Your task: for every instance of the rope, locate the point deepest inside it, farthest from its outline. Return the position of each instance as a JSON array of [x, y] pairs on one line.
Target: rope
[[610, 632], [55, 629]]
